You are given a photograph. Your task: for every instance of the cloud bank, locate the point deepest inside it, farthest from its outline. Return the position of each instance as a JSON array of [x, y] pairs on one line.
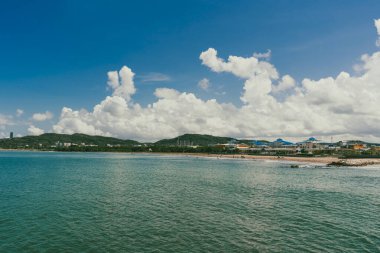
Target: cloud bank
[[345, 105]]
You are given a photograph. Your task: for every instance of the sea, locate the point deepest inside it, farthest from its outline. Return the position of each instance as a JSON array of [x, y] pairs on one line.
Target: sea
[[118, 202]]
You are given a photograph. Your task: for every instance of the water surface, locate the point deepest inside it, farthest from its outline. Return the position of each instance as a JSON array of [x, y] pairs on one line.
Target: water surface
[[97, 202]]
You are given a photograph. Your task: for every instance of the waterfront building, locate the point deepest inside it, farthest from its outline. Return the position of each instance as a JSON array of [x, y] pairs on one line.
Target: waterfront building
[[310, 144]]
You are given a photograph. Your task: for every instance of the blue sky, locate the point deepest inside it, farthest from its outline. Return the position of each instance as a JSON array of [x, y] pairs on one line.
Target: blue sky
[[58, 53]]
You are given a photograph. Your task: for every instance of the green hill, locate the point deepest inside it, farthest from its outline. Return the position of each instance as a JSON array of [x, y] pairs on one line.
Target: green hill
[[49, 139], [193, 139]]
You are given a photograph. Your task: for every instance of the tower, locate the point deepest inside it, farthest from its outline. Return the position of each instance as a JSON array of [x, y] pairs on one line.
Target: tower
[[11, 135]]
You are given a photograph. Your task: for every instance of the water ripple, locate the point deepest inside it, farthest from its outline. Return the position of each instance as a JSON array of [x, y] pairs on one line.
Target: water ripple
[[139, 203]]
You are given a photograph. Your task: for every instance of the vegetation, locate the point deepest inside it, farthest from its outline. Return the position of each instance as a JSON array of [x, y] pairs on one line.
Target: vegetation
[[194, 140], [48, 140]]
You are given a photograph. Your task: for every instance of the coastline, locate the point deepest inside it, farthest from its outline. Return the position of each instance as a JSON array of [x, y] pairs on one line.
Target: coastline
[[326, 160], [335, 161], [317, 160]]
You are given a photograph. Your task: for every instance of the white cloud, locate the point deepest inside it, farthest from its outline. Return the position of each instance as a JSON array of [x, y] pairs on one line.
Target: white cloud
[[155, 77], [345, 106], [377, 25], [19, 112], [239, 66], [287, 82], [204, 84], [266, 55], [42, 116], [122, 82], [32, 130]]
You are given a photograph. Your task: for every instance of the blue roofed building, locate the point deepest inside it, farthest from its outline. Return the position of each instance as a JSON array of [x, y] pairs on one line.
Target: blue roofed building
[[260, 143], [310, 144], [280, 143]]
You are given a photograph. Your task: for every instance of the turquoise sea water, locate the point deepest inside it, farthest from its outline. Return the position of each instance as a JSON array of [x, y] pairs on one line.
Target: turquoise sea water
[[77, 202]]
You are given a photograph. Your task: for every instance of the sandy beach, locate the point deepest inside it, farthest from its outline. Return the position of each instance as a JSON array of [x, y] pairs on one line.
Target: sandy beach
[[317, 160]]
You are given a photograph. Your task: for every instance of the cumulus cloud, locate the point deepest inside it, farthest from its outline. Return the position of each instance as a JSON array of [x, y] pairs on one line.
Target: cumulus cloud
[[344, 105], [122, 83], [287, 82], [19, 112], [173, 113], [32, 130], [377, 25], [239, 66], [204, 84], [42, 116]]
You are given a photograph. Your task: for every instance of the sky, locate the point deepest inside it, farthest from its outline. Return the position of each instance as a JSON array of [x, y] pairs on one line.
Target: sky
[[148, 70]]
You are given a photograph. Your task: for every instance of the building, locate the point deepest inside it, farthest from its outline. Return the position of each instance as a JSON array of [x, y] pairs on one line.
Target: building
[[260, 144], [11, 135], [242, 147], [310, 144], [357, 146], [280, 143]]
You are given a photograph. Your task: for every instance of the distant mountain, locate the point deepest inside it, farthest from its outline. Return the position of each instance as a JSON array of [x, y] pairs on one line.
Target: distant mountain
[[50, 139], [194, 139]]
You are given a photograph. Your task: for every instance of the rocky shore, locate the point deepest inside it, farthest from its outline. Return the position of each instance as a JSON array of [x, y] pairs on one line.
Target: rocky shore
[[354, 162]]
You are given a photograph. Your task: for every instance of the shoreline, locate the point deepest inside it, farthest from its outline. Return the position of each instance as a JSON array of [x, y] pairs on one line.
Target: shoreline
[[316, 160], [326, 160], [335, 161]]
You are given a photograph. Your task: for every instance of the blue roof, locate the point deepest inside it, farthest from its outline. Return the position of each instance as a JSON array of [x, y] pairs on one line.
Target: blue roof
[[264, 143], [279, 140], [259, 143], [311, 139]]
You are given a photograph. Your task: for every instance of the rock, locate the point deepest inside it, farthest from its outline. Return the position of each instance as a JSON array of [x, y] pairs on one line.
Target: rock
[[345, 163]]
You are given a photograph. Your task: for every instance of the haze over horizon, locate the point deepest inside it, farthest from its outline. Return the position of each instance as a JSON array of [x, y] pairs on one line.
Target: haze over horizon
[[243, 70]]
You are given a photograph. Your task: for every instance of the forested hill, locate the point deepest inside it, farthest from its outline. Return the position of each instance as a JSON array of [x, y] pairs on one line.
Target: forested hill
[[193, 139], [50, 139]]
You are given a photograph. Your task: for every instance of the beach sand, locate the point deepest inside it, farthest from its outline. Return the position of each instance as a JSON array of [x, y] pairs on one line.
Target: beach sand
[[317, 160]]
